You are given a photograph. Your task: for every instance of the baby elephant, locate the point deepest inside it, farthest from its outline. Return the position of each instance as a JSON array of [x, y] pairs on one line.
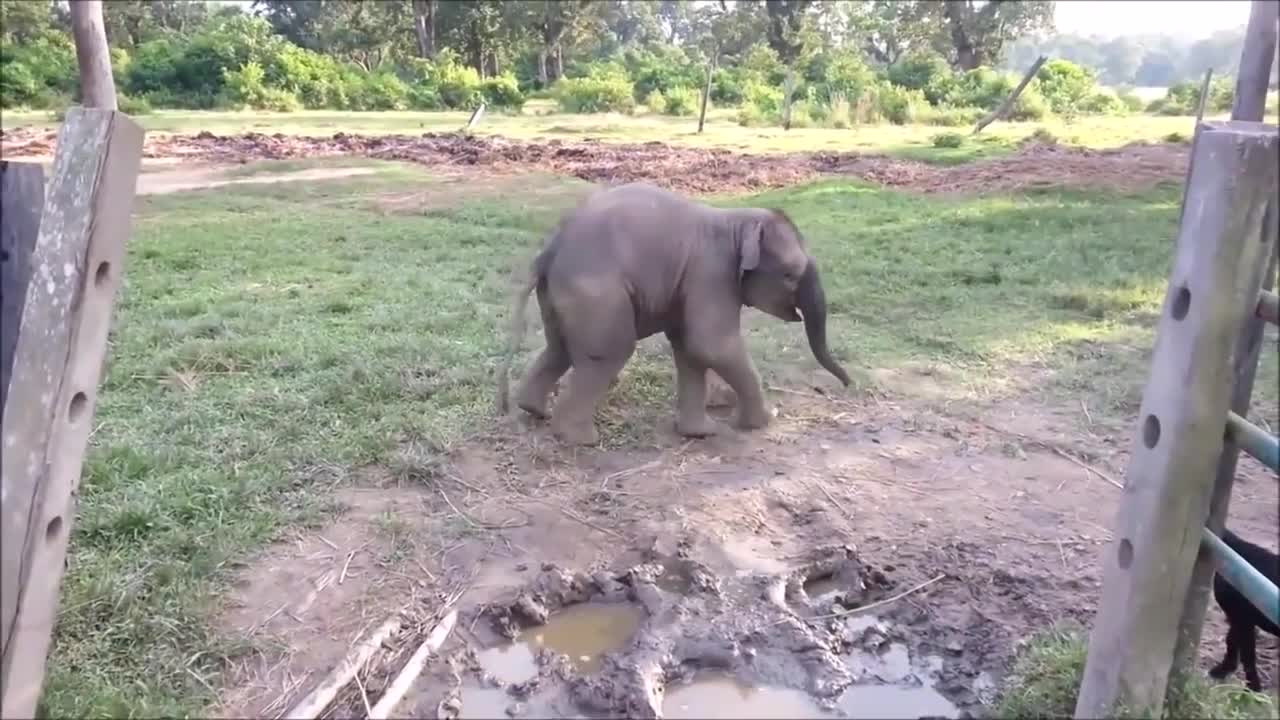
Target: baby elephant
[[636, 260], [1243, 619]]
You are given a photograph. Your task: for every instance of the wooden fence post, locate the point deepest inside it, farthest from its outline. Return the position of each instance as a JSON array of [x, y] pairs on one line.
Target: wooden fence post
[[21, 203], [1213, 290], [75, 272], [1250, 100]]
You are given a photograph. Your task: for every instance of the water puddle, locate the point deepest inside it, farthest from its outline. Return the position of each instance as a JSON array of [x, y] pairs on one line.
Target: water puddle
[[822, 588], [483, 703], [721, 696], [583, 632], [895, 702]]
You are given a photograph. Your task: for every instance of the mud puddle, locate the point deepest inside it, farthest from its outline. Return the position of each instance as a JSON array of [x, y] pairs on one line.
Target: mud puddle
[[894, 702], [722, 696], [583, 632]]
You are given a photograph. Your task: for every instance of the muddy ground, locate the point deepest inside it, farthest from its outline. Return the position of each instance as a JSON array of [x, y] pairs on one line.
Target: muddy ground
[[682, 579], [694, 170], [973, 530]]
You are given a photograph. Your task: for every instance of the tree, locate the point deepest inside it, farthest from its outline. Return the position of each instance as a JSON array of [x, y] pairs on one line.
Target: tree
[[785, 35], [553, 21], [424, 27], [978, 34], [887, 29]]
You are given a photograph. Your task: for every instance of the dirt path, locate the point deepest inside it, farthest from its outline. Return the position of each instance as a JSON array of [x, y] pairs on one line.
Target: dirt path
[[692, 170], [992, 504]]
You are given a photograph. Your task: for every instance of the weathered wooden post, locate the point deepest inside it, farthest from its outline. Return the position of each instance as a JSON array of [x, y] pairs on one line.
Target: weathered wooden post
[[1250, 100], [1213, 290], [21, 202], [72, 277]]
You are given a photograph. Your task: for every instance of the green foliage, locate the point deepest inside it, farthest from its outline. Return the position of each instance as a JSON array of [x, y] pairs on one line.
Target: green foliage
[[502, 91], [947, 140], [682, 101], [385, 91], [1180, 99], [1222, 94], [131, 105], [37, 72], [1131, 101], [925, 71], [1104, 102], [761, 105], [665, 68], [457, 84], [606, 88], [1066, 86], [841, 74], [1030, 106], [246, 87], [953, 117], [656, 102], [899, 105]]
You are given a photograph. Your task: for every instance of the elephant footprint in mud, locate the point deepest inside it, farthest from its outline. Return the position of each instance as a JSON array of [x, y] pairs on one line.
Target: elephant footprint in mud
[[636, 260]]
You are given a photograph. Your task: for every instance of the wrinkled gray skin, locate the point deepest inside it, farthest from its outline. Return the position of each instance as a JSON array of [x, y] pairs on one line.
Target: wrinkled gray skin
[[636, 260]]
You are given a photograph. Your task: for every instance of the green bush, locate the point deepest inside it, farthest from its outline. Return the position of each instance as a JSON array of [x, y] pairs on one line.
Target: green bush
[[923, 71], [805, 113], [947, 140], [317, 80], [682, 101], [842, 74], [130, 105], [664, 69], [1180, 99], [502, 91], [18, 84], [1131, 101], [899, 105], [594, 94], [981, 88], [839, 112], [952, 116], [1030, 106], [656, 102], [1222, 94], [726, 86], [1104, 102], [457, 84], [1066, 85], [36, 72], [385, 91]]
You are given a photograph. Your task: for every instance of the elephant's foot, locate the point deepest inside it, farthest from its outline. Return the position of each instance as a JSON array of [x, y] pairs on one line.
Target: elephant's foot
[[751, 418], [533, 401], [576, 433], [696, 427]]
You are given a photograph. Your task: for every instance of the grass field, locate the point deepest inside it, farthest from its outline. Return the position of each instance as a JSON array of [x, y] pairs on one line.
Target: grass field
[[539, 121], [273, 339]]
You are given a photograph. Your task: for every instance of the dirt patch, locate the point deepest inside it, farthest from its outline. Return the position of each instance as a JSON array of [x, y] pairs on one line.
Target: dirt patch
[[736, 548], [169, 181], [693, 170]]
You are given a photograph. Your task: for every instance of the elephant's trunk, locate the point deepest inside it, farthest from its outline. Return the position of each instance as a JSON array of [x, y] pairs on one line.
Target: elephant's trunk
[[812, 303]]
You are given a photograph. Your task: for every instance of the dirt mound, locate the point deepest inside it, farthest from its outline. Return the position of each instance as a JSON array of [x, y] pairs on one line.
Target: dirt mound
[[693, 170]]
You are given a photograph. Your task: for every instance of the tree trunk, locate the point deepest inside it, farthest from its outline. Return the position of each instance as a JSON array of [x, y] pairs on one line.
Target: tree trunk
[[97, 86], [788, 90], [967, 55], [542, 68], [1005, 106], [706, 93], [424, 25], [558, 72]]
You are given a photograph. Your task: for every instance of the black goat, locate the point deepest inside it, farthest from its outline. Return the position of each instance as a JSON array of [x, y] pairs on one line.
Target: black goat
[[1242, 617]]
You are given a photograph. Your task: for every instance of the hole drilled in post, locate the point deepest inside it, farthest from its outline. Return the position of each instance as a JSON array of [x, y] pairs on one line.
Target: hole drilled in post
[[1151, 431], [1125, 555], [1181, 303], [53, 529], [102, 274], [79, 402]]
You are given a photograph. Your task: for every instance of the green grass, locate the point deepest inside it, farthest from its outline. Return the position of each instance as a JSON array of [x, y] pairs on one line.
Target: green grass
[[271, 339], [1046, 679], [540, 121]]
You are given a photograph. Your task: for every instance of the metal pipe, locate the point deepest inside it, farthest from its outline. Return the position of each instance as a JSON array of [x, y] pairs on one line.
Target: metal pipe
[[1269, 307], [1263, 446], [1243, 577]]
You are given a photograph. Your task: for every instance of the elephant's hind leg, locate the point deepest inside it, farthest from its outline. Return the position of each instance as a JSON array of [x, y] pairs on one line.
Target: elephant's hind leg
[[600, 341], [691, 392], [552, 363]]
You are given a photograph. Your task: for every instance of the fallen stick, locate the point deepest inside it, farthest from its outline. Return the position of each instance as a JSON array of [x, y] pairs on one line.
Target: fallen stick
[[864, 608], [1090, 468], [318, 699], [413, 668]]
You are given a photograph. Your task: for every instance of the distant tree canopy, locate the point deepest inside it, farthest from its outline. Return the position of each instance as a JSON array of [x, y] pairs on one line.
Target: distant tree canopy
[[840, 62]]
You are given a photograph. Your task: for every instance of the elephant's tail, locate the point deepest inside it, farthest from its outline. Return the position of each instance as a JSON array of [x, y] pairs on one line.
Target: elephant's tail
[[518, 305]]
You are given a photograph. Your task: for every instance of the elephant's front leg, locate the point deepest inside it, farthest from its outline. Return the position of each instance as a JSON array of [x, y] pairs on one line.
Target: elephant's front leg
[[731, 362], [691, 392]]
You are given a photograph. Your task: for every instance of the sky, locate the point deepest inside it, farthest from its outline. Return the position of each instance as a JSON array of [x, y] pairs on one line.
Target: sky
[[1192, 18]]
